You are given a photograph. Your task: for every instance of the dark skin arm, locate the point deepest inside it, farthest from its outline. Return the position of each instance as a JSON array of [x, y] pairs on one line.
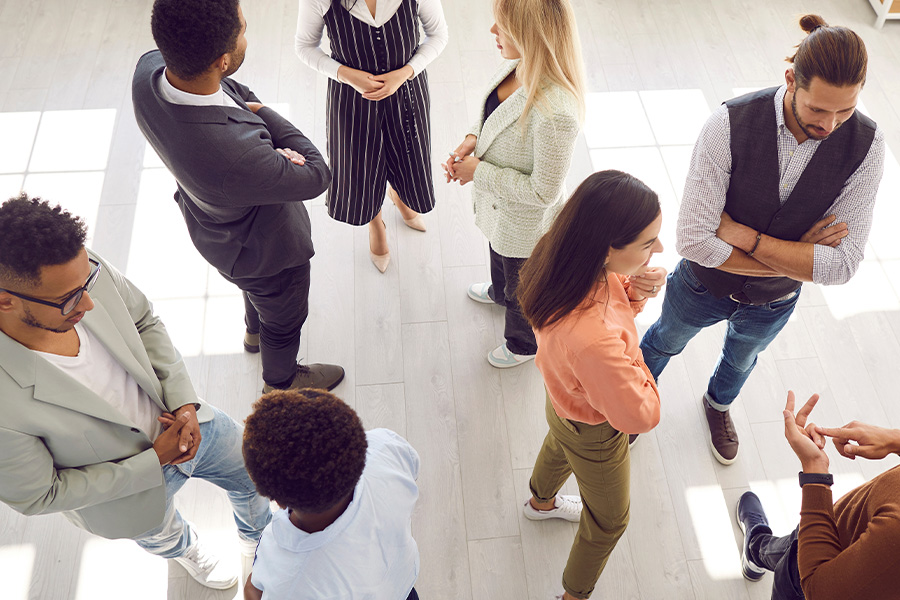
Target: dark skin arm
[[251, 592]]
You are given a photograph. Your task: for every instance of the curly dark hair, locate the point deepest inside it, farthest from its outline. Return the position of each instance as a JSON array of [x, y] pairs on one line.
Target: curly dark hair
[[33, 235], [304, 449], [192, 34]]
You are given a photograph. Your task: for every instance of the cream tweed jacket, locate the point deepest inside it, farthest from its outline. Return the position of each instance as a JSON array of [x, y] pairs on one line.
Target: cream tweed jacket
[[518, 186]]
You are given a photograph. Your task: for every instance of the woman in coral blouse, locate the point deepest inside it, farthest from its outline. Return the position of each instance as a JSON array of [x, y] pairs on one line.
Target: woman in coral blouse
[[581, 289]]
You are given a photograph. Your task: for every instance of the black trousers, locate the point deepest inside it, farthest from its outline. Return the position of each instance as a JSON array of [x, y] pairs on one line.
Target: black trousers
[[276, 308], [504, 282], [778, 554]]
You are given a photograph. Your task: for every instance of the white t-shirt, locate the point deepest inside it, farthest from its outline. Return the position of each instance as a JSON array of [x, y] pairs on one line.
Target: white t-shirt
[[96, 369], [368, 553], [176, 96]]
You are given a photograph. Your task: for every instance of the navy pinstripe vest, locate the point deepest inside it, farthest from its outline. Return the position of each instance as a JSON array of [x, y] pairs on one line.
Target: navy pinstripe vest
[[753, 196]]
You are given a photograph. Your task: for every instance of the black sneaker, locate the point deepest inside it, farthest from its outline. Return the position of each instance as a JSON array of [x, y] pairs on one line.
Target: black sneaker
[[752, 519]]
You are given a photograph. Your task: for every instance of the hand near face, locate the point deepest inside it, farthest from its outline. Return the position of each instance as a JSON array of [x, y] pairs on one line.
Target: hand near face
[[648, 284]]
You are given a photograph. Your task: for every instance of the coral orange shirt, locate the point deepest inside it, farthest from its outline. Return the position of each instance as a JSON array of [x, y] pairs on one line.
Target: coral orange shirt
[[592, 364]]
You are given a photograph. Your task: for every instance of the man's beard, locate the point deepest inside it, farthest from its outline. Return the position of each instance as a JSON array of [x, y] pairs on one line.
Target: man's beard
[[30, 320], [805, 127]]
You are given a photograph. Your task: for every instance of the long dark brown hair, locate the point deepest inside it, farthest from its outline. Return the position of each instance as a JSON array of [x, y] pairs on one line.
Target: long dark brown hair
[[836, 55], [608, 210]]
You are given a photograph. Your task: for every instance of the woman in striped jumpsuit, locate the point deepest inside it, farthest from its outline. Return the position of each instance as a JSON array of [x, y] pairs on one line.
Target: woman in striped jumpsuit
[[378, 106]]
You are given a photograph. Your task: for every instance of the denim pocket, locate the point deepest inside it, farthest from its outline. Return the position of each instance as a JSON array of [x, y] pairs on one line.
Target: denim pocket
[[690, 280], [786, 303]]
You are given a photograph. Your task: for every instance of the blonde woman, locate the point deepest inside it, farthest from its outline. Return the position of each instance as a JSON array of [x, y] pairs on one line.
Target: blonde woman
[[518, 153]]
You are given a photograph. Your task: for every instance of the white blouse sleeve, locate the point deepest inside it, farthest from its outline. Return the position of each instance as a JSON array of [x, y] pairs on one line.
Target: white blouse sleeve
[[431, 13], [310, 25]]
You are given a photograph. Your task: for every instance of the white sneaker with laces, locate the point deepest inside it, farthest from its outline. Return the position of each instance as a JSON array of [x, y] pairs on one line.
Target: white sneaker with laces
[[479, 292], [206, 568], [501, 358], [567, 507]]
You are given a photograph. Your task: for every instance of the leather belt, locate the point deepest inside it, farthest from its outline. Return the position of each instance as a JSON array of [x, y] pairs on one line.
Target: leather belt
[[741, 298]]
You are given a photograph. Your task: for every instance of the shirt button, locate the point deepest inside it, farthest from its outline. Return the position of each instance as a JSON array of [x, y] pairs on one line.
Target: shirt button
[[784, 186]]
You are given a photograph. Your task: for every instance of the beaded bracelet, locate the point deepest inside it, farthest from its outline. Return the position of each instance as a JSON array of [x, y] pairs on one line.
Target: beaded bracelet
[[756, 245]]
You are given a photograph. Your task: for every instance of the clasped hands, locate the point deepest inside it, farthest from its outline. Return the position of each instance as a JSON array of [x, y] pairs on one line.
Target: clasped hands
[[854, 439], [375, 87], [461, 165], [180, 438]]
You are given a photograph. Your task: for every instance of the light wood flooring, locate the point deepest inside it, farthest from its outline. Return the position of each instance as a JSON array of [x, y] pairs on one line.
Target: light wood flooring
[[412, 343]]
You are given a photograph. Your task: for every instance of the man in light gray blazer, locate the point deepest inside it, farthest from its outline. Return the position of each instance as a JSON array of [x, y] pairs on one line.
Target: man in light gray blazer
[[100, 420], [243, 172]]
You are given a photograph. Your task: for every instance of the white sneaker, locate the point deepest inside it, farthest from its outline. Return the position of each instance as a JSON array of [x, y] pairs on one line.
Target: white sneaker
[[501, 358], [479, 292], [567, 507], [206, 568]]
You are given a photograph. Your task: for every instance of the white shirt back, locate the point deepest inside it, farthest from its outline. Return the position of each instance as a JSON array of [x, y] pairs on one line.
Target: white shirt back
[[97, 369], [368, 553]]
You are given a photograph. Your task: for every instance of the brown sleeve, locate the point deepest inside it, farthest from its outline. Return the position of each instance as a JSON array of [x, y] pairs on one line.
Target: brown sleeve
[[864, 569]]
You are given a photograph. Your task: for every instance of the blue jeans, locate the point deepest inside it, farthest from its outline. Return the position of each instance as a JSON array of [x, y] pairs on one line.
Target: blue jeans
[[688, 307], [219, 460]]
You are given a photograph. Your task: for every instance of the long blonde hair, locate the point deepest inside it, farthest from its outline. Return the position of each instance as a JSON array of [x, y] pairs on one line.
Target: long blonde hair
[[546, 35]]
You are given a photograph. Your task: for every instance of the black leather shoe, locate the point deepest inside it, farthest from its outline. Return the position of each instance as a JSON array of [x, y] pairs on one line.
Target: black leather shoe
[[318, 376], [752, 519], [632, 438], [723, 438]]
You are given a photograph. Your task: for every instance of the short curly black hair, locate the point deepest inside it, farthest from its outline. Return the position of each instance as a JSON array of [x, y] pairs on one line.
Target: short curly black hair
[[304, 449], [33, 235], [192, 34]]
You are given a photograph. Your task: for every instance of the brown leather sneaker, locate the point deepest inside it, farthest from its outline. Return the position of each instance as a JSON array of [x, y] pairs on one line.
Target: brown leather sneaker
[[723, 438], [319, 376]]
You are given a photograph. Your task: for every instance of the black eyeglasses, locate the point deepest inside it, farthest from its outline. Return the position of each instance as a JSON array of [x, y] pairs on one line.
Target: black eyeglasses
[[71, 301]]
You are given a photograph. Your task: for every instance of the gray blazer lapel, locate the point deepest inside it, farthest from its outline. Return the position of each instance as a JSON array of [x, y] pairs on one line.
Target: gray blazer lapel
[[132, 359], [505, 114], [52, 385]]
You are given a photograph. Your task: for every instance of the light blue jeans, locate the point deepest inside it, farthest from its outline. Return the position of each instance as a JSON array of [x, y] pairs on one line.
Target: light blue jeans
[[221, 462], [688, 307]]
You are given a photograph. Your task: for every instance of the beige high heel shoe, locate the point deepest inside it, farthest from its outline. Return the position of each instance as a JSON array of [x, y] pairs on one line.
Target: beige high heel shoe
[[417, 222], [381, 261]]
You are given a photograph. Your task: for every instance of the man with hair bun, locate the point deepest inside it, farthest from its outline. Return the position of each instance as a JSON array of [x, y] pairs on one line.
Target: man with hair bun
[[100, 420], [780, 191], [347, 497]]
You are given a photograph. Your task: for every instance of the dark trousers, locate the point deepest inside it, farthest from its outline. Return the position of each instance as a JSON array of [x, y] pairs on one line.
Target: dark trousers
[[413, 595], [276, 307], [504, 282], [778, 554]]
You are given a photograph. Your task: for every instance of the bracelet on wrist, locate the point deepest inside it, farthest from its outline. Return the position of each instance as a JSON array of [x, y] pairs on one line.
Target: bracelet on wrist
[[756, 245]]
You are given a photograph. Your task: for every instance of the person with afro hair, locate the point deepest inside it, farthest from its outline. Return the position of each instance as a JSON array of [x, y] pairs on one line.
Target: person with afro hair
[[347, 497]]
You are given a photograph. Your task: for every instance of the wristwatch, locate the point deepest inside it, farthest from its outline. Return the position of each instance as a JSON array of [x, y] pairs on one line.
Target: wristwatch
[[823, 478]]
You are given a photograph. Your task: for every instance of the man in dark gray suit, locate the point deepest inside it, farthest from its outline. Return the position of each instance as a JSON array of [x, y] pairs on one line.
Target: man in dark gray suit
[[243, 173]]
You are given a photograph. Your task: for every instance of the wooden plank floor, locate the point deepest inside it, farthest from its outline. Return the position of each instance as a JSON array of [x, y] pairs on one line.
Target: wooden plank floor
[[413, 345]]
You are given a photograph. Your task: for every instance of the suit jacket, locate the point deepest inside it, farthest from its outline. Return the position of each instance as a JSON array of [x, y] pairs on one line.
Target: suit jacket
[[65, 449], [241, 200], [518, 187]]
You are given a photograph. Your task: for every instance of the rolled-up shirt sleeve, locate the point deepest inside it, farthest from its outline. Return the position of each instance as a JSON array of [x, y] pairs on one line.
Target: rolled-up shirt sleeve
[[704, 194], [854, 206]]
